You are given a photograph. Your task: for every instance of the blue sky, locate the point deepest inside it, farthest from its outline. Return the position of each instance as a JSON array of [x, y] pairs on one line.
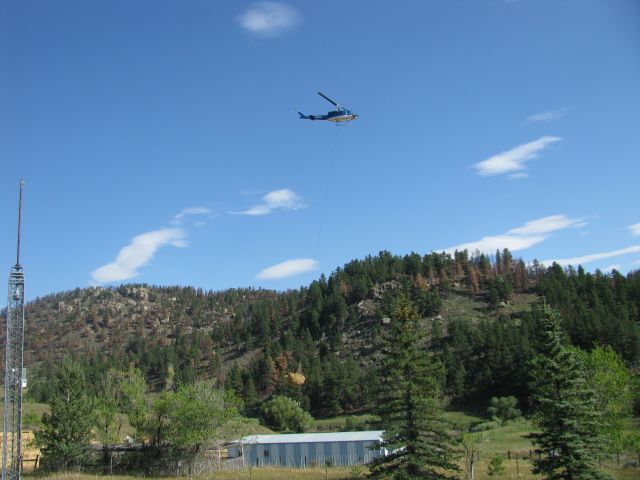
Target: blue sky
[[159, 140]]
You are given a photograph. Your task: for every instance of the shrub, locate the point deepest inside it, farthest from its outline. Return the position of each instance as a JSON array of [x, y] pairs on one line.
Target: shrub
[[502, 409], [484, 426], [496, 466], [283, 413]]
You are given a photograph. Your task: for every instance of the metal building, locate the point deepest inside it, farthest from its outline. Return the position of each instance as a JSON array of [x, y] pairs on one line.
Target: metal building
[[308, 449]]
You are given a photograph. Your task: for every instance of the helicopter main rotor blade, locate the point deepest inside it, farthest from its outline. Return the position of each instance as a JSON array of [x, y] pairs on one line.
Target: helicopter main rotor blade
[[328, 99]]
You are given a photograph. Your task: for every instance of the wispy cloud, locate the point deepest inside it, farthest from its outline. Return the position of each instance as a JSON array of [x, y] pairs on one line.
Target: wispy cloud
[[284, 199], [289, 268], [548, 224], [143, 247], [513, 160], [521, 238], [491, 243], [547, 117], [138, 253], [518, 176], [268, 19], [179, 218], [634, 229], [593, 257]]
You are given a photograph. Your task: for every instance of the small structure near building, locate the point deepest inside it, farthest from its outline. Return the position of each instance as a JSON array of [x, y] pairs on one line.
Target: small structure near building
[[308, 449]]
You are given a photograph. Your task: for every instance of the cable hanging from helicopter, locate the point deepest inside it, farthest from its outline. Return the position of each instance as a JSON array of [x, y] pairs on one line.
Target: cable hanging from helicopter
[[340, 114]]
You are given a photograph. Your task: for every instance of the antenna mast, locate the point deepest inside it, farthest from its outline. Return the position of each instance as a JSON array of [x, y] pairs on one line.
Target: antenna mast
[[13, 382], [19, 222]]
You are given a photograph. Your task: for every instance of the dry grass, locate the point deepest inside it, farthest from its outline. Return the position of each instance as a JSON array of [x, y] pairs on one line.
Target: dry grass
[[246, 474], [29, 451], [520, 470]]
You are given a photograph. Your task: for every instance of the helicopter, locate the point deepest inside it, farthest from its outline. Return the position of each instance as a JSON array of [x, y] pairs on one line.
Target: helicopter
[[341, 114]]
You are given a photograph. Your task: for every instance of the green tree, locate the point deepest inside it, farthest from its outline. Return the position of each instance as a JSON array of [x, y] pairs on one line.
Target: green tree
[[201, 414], [496, 466], [631, 442], [192, 418], [283, 413], [503, 409], [156, 419], [615, 390], [133, 401], [66, 432], [565, 410], [410, 405], [107, 422], [471, 448]]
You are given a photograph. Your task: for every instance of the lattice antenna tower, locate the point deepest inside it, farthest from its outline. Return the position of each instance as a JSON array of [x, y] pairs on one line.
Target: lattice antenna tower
[[12, 433]]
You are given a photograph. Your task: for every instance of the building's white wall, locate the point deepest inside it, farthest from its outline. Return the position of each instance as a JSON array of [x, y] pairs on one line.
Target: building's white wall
[[308, 454]]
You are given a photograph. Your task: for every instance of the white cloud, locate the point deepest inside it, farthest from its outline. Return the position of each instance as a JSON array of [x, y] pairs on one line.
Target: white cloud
[[492, 243], [520, 238], [186, 212], [547, 117], [268, 19], [513, 160], [634, 229], [289, 268], [610, 268], [518, 176], [593, 257], [547, 225], [284, 199], [138, 253]]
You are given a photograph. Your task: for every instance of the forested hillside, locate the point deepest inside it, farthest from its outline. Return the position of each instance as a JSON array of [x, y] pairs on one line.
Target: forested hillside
[[481, 315]]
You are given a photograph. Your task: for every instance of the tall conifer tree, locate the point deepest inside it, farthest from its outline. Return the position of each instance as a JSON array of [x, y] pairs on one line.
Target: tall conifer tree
[[565, 410], [410, 406], [64, 438]]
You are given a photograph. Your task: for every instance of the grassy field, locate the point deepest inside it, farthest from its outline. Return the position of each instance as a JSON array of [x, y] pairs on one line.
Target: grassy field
[[509, 439], [344, 423]]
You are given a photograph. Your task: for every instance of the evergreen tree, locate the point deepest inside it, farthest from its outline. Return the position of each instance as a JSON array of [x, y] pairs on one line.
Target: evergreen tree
[[410, 405], [565, 410], [64, 438]]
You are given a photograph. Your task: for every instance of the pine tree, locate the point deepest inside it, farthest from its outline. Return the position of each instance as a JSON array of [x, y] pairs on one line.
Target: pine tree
[[64, 438], [565, 410], [410, 406]]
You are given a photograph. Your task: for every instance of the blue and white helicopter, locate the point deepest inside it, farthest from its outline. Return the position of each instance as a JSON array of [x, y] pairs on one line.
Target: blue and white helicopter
[[341, 114]]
